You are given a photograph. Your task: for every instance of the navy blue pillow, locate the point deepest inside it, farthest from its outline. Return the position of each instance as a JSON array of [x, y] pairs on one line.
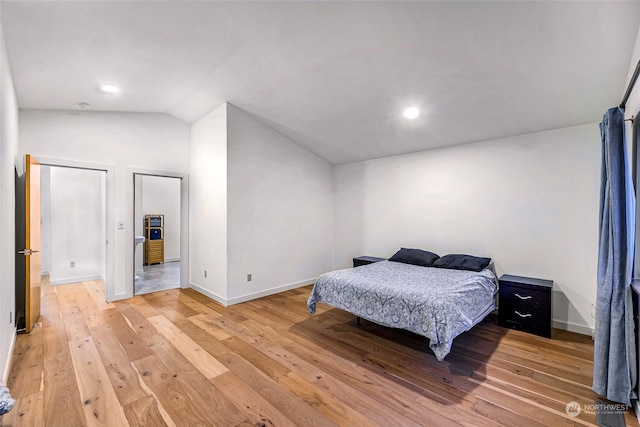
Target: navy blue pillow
[[462, 262], [415, 257]]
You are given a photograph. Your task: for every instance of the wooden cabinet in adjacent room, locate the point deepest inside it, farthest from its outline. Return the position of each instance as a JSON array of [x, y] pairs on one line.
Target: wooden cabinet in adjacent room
[[154, 239]]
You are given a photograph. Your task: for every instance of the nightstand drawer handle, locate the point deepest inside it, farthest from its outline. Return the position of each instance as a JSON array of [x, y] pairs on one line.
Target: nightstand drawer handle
[[526, 297], [523, 315]]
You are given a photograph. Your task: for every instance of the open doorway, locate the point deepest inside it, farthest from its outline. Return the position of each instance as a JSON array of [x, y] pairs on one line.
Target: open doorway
[[157, 229], [73, 224]]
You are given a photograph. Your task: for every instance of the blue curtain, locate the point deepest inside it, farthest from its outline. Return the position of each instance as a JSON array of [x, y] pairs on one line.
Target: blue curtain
[[614, 364]]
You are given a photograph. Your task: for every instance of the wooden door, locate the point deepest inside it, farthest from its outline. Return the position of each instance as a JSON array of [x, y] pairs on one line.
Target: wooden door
[[28, 228]]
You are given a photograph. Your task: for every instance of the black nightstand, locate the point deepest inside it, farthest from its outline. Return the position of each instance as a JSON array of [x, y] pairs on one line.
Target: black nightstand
[[364, 260], [525, 304]]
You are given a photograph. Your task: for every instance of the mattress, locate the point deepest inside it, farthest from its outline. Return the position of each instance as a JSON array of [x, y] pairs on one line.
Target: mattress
[[436, 303]]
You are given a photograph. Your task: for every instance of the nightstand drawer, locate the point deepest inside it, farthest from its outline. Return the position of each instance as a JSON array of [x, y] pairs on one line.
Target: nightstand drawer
[[525, 297], [534, 324]]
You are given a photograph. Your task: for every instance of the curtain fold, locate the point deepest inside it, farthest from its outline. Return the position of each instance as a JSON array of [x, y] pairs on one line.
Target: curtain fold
[[614, 365]]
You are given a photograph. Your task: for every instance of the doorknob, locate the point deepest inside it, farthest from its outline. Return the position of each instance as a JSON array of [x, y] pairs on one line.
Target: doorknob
[[26, 252]]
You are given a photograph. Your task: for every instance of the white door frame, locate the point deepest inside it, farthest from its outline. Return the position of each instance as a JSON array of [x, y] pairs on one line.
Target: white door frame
[[110, 185], [184, 224]]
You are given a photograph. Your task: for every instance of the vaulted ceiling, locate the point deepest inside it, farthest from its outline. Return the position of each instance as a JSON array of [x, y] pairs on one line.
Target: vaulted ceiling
[[333, 76]]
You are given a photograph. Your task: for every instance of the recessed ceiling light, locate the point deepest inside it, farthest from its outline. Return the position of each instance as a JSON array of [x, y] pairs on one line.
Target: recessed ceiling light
[[83, 105], [109, 89], [411, 112]]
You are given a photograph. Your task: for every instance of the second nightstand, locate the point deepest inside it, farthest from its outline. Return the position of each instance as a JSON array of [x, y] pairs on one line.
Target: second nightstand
[[364, 260], [525, 304]]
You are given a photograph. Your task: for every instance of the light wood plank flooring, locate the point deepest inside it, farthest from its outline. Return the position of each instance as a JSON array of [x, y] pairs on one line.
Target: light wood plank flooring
[[176, 358]]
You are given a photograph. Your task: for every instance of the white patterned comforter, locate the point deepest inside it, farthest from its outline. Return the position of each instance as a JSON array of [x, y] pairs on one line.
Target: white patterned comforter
[[437, 303]]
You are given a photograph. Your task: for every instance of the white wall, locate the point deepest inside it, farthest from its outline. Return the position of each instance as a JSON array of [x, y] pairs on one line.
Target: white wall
[[208, 201], [633, 109], [529, 202], [8, 162], [77, 222], [161, 195], [45, 220], [123, 140], [633, 103], [280, 210], [138, 225]]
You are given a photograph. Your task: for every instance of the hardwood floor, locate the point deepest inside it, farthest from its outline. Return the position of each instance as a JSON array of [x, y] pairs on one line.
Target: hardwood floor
[[177, 358]]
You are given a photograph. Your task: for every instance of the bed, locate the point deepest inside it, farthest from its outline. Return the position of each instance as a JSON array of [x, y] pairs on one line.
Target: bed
[[437, 303]]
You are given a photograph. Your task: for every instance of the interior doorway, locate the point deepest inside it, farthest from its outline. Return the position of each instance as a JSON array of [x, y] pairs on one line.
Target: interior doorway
[[73, 224], [157, 233]]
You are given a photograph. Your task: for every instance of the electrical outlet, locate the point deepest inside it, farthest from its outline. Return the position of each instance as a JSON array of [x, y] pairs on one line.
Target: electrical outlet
[[205, 274], [72, 264], [120, 225], [249, 277]]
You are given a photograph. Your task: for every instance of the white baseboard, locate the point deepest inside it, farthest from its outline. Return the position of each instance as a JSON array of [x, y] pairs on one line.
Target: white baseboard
[[172, 259], [248, 297], [120, 297], [209, 294], [266, 292], [9, 355], [76, 279], [572, 327]]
